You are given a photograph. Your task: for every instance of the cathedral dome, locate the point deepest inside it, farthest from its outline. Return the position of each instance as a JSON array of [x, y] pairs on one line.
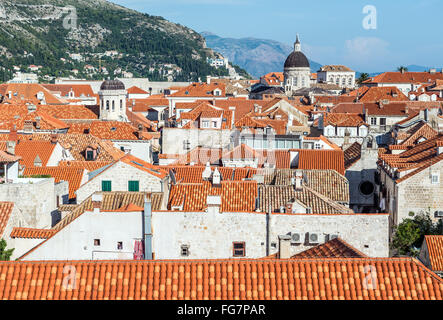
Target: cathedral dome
[[297, 60], [112, 85]]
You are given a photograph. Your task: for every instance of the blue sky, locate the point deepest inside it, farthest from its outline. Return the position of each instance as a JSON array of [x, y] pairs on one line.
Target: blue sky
[[407, 31]]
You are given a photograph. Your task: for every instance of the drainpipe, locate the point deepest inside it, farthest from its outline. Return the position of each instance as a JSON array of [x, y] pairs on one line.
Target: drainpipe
[[147, 228], [268, 231]]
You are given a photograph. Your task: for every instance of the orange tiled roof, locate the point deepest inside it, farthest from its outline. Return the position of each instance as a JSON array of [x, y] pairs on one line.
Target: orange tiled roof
[[321, 159], [343, 120], [26, 92], [293, 279], [145, 166], [374, 94], [200, 90], [17, 115], [88, 165], [406, 77], [6, 157], [5, 214], [72, 175], [71, 112], [144, 105], [28, 150], [352, 154], [435, 251], [414, 160], [335, 248], [31, 233], [107, 130], [80, 90], [136, 90], [236, 196]]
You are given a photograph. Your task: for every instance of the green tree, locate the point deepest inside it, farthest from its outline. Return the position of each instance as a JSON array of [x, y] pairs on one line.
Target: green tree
[[363, 77], [5, 255], [409, 234], [402, 69], [406, 234]]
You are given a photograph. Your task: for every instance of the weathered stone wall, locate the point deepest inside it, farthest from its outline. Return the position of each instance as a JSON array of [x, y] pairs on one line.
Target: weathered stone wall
[[34, 198], [120, 174], [211, 236], [173, 139]]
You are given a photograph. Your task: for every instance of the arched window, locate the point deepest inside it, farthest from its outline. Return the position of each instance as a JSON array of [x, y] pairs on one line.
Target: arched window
[[113, 105], [121, 104], [107, 105]]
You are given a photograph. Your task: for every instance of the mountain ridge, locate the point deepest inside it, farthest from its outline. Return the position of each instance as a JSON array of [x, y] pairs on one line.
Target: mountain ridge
[[256, 56], [33, 32]]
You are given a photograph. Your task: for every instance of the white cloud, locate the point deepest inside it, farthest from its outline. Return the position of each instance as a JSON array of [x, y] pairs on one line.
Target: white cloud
[[367, 52]]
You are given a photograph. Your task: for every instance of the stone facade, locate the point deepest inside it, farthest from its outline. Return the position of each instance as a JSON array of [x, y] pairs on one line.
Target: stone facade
[[211, 235], [417, 194], [181, 141], [120, 174], [35, 199]]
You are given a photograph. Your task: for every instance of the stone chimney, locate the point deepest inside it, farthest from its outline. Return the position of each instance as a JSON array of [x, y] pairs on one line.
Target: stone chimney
[[214, 203], [232, 109], [10, 147], [206, 174], [97, 199], [284, 246], [216, 177], [298, 180]]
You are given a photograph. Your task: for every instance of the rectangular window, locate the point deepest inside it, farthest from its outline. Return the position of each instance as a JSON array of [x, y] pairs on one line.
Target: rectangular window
[[214, 124], [205, 124], [184, 250], [239, 249], [106, 185], [97, 242], [374, 121], [435, 179], [119, 245], [89, 155], [186, 145], [382, 121], [133, 186]]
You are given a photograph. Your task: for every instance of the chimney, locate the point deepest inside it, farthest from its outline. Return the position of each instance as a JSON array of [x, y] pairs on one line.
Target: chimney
[[10, 147], [206, 174], [214, 203], [147, 229], [97, 199], [298, 179], [232, 109], [10, 94], [284, 246], [216, 177]]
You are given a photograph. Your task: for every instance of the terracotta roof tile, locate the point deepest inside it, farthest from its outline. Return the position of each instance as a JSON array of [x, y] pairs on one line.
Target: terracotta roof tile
[[73, 175], [5, 213], [293, 279], [435, 250], [321, 159], [30, 233]]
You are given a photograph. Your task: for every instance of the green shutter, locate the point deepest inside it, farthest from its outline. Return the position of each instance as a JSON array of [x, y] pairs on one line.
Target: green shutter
[[133, 186], [106, 185]]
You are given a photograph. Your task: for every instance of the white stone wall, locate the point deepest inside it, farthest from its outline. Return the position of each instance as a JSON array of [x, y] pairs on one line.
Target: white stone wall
[[120, 173], [76, 240], [141, 149], [210, 236], [116, 112], [173, 139], [346, 79], [418, 194], [34, 198]]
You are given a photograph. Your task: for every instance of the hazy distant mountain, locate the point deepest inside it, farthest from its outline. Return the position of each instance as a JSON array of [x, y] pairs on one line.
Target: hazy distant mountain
[[257, 56]]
